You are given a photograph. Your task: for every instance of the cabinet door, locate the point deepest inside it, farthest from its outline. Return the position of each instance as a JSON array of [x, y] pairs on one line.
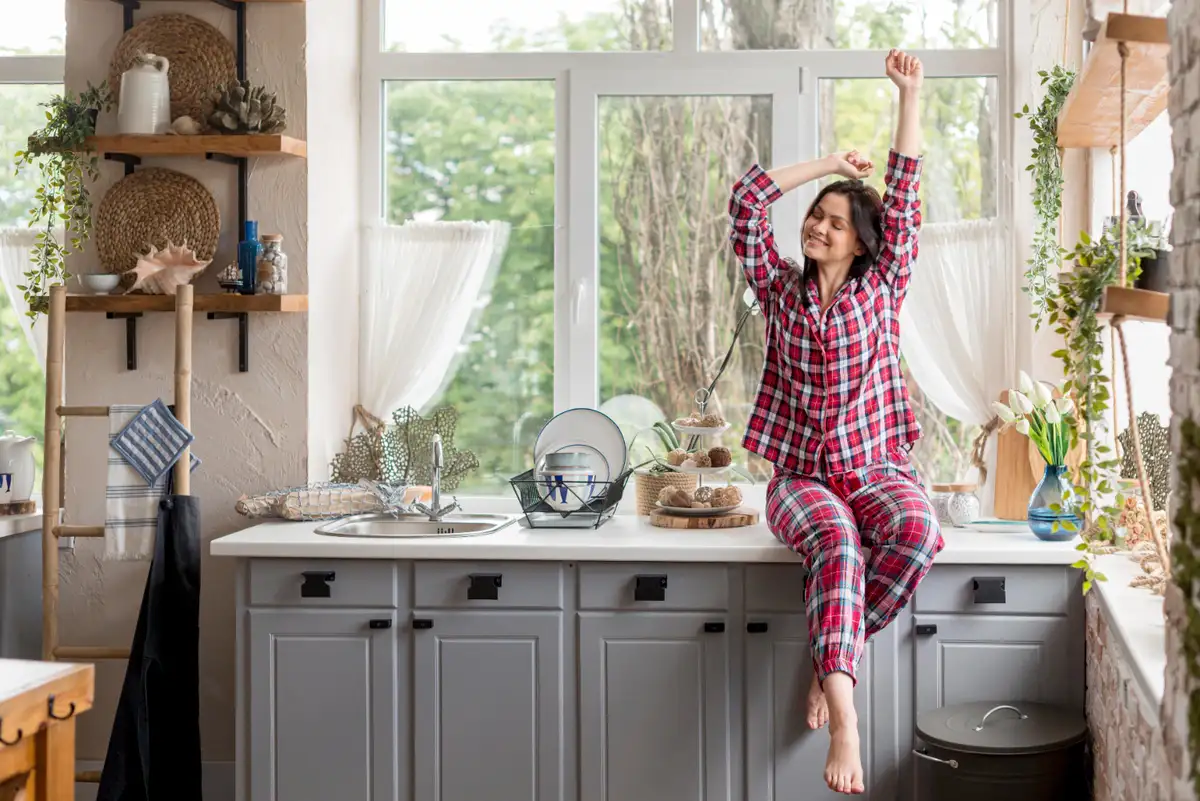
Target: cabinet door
[[785, 760], [487, 706], [322, 705], [965, 658], [653, 707]]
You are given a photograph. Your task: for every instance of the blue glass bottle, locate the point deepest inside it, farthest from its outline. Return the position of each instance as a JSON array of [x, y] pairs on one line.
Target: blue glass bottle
[[1054, 492], [248, 250]]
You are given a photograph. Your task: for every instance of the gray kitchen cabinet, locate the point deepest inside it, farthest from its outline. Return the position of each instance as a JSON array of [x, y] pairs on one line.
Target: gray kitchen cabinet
[[487, 705], [654, 707], [785, 760], [322, 694]]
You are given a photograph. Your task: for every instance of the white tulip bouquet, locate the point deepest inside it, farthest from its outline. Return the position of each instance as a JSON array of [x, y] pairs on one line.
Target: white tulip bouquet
[[1048, 421]]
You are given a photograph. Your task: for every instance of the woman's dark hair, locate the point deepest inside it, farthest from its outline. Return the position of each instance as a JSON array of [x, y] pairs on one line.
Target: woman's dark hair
[[866, 215]]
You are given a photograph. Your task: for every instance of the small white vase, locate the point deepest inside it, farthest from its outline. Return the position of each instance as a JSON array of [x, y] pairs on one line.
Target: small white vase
[[16, 467], [145, 106]]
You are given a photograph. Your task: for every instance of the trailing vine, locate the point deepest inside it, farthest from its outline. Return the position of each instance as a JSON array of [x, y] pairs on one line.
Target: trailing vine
[[1041, 279], [1073, 313], [1185, 569]]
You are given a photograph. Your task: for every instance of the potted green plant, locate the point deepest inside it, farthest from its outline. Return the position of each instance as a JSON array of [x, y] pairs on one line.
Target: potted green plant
[[65, 166]]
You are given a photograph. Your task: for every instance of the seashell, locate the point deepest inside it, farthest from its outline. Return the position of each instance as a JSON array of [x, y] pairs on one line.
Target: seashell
[[161, 272], [185, 126]]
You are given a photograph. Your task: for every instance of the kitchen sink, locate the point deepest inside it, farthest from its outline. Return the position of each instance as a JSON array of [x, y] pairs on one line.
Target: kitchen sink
[[411, 525]]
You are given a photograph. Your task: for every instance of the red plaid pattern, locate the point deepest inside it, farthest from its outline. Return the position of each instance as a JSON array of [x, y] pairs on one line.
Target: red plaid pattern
[[850, 596], [832, 395]]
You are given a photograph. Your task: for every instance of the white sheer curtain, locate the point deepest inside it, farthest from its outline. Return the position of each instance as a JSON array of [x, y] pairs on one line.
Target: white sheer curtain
[[958, 331], [16, 244], [423, 286]]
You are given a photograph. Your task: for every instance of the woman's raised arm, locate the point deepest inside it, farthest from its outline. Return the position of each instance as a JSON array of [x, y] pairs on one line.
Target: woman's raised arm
[[901, 206]]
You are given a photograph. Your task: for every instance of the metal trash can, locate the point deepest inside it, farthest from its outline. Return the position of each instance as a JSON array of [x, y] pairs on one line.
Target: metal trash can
[[1001, 752]]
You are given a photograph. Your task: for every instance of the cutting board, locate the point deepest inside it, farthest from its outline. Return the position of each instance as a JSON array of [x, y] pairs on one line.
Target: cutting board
[[738, 518]]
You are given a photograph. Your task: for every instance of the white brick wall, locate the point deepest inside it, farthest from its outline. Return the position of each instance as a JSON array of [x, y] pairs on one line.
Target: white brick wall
[[1184, 26]]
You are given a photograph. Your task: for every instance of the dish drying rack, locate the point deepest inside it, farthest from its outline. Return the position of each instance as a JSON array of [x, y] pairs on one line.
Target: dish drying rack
[[594, 511]]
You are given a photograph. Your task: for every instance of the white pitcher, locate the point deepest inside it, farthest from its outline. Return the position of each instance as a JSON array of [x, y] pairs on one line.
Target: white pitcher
[[17, 467], [145, 106]]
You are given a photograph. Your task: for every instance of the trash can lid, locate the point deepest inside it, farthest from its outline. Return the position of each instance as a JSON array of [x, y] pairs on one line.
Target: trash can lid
[[995, 727]]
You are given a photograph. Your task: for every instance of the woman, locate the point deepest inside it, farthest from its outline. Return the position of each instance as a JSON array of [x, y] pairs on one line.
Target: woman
[[832, 412]]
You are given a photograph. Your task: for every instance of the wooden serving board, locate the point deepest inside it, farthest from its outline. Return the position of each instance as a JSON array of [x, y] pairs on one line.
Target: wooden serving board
[[18, 508], [738, 518]]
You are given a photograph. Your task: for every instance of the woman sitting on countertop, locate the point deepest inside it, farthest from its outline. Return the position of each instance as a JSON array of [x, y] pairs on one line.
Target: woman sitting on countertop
[[832, 412]]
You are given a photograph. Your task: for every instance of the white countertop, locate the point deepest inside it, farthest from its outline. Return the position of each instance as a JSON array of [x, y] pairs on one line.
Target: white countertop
[[624, 538], [20, 524], [1135, 617]]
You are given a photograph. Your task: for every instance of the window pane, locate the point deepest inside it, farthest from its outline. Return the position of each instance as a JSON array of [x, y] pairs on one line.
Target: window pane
[[959, 179], [484, 150], [488, 26], [670, 287], [33, 28], [20, 115], [847, 24]]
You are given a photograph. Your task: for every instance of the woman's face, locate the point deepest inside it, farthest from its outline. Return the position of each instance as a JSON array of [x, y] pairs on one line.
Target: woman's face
[[828, 235]]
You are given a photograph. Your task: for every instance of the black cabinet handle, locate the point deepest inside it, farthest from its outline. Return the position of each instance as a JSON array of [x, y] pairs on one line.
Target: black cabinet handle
[[715, 627], [316, 583], [382, 623], [756, 627], [926, 629], [650, 588], [422, 623], [988, 589], [484, 586]]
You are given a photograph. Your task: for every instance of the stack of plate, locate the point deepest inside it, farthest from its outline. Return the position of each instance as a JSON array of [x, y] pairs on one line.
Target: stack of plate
[[576, 455]]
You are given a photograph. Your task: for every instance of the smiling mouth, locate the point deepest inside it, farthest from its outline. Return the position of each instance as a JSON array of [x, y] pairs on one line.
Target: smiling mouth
[[814, 240]]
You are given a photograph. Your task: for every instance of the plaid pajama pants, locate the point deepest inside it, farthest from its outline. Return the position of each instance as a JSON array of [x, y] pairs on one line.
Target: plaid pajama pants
[[850, 595]]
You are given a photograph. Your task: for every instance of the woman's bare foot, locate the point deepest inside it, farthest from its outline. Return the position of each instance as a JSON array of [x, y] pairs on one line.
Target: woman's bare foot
[[818, 708], [843, 767]]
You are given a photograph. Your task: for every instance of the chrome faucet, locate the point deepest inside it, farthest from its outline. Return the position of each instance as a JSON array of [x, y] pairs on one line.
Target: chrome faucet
[[435, 511]]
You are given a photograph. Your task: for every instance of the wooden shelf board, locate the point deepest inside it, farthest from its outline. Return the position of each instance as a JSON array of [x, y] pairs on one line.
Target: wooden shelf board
[[1091, 115], [1136, 304], [170, 145], [245, 1], [202, 303]]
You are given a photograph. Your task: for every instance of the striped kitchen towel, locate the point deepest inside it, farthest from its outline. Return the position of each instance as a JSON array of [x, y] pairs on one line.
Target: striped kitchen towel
[[132, 503]]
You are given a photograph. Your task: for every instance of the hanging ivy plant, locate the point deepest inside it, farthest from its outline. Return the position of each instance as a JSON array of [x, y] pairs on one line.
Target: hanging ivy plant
[[1073, 312], [1041, 279], [65, 166], [1185, 572]]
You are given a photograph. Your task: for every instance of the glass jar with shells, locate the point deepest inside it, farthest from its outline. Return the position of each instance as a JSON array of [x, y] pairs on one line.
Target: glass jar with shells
[[272, 266]]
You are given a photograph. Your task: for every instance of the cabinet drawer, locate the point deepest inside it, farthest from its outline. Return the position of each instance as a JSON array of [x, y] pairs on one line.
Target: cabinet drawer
[[322, 582], [997, 589], [775, 588], [662, 586], [502, 584]]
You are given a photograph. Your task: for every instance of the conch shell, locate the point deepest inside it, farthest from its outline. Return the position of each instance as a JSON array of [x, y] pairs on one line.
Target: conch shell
[[161, 272]]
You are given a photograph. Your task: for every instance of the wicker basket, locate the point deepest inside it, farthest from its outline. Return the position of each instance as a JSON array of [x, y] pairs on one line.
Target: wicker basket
[[648, 487]]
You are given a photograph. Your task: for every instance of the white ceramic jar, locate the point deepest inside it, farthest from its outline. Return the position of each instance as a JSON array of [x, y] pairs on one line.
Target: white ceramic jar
[[17, 467], [145, 106], [956, 504]]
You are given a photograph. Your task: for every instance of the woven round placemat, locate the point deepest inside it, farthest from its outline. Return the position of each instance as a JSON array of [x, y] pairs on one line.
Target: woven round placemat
[[202, 59], [151, 207]]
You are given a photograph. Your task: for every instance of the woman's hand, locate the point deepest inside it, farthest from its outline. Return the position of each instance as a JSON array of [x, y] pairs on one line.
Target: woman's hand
[[904, 70], [850, 164]]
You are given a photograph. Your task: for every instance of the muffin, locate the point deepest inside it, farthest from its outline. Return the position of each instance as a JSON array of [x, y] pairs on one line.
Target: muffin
[[720, 456]]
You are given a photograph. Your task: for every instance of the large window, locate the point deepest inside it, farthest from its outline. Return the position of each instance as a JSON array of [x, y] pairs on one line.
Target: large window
[[607, 134], [31, 71]]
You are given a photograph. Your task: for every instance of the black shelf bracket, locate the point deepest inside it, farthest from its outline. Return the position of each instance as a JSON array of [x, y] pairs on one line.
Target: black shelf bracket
[[128, 7], [124, 158], [243, 336], [130, 319]]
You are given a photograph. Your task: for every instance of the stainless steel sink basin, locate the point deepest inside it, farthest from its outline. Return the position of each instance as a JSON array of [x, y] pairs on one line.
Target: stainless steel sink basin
[[385, 525]]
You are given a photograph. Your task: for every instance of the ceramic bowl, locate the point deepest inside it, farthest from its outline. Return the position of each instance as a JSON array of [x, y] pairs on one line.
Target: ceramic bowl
[[100, 283], [567, 490], [565, 460]]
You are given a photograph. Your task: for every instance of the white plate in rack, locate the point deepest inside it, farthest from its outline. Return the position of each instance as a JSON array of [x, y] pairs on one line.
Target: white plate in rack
[[701, 431], [692, 512], [588, 430]]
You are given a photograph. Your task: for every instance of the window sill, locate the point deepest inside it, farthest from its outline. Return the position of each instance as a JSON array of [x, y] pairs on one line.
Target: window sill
[[1135, 618]]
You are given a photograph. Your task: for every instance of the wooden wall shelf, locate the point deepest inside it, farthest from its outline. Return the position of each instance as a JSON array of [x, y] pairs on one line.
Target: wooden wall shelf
[[246, 146], [1091, 116], [224, 306], [1136, 304]]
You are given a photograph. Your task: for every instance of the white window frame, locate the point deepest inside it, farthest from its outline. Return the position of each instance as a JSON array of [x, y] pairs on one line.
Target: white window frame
[[791, 77]]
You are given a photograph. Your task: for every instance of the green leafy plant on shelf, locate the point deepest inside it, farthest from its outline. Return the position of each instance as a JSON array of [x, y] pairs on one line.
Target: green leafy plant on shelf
[[1074, 313], [65, 166], [1041, 278]]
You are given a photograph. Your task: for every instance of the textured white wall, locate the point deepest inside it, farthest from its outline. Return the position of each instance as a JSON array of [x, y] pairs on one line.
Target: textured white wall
[[251, 428]]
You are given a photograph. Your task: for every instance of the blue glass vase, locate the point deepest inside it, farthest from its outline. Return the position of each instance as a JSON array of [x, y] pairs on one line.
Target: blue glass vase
[[1054, 492]]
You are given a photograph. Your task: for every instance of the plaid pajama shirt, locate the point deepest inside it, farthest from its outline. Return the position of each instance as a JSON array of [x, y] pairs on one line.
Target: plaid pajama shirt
[[832, 414]]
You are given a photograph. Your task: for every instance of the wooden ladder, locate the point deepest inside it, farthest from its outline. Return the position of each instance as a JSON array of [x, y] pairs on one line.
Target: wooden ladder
[[53, 489]]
